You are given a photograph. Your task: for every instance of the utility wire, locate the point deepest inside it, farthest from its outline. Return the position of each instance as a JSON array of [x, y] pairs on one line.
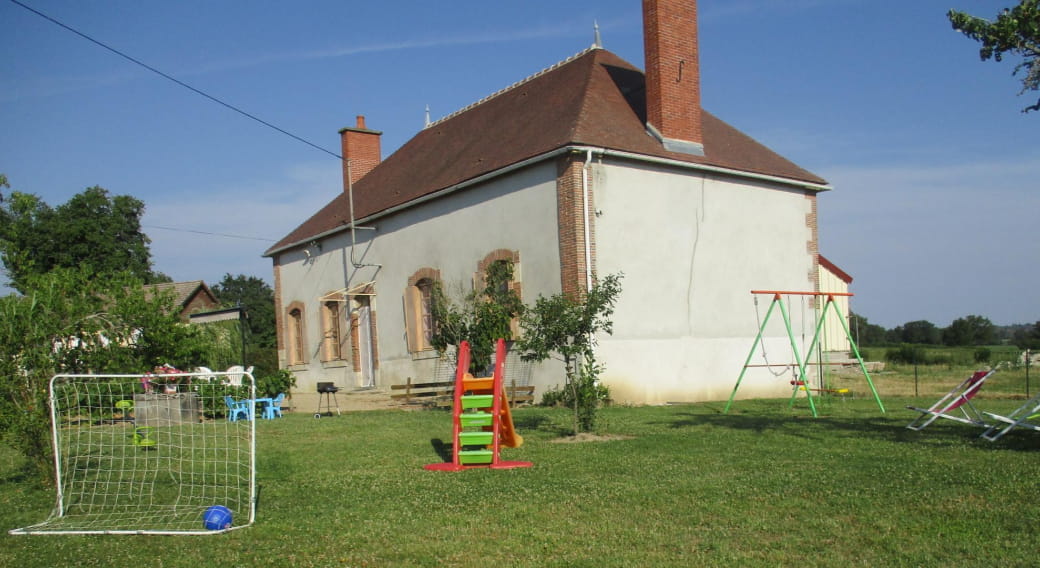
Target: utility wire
[[210, 233], [175, 80]]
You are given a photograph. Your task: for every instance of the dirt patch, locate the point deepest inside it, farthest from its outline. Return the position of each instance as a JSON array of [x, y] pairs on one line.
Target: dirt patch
[[587, 437]]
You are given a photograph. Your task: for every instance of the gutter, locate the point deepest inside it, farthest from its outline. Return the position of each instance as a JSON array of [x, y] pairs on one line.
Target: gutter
[[588, 150]]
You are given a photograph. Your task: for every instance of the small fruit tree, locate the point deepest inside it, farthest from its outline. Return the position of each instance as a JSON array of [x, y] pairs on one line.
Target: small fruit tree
[[567, 324]]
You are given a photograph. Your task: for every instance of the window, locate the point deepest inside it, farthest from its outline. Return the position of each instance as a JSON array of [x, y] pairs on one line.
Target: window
[[418, 309], [499, 264], [332, 330], [425, 287], [297, 344]]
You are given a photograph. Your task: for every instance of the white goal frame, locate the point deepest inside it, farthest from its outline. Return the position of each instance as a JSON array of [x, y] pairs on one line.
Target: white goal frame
[[154, 468]]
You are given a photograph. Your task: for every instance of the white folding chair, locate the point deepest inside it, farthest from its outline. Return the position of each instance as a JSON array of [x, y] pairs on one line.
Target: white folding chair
[[957, 399], [1025, 416]]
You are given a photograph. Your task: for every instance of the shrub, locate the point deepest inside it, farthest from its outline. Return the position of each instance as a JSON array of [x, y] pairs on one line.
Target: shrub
[[590, 392], [279, 381]]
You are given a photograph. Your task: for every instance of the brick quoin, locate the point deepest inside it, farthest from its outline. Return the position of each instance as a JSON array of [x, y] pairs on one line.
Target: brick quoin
[[571, 222], [673, 82], [813, 245], [279, 317], [361, 147]]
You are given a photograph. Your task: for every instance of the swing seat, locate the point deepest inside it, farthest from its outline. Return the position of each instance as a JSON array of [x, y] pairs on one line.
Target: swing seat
[[957, 399]]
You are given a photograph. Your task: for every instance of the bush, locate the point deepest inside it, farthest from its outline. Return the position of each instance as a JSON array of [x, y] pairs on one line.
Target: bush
[[273, 383], [982, 355], [915, 354]]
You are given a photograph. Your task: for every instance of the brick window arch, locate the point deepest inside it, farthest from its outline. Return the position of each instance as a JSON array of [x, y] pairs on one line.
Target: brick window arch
[[332, 321], [418, 309], [296, 332], [501, 255]]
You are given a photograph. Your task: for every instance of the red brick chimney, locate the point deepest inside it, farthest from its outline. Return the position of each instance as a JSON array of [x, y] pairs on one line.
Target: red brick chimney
[[360, 150], [673, 77]]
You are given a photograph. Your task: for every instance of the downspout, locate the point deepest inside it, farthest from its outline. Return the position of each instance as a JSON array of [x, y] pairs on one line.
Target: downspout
[[588, 245], [586, 220]]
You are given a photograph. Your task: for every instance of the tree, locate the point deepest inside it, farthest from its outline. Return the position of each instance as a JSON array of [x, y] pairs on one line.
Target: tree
[[92, 229], [921, 332], [1015, 31], [567, 324], [866, 333], [75, 320], [1028, 338], [482, 317], [969, 330], [257, 299]]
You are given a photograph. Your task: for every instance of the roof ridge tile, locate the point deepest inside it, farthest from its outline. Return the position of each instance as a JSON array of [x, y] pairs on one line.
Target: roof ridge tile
[[513, 86]]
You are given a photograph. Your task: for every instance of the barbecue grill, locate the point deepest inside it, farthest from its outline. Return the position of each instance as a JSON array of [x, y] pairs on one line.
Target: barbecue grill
[[327, 392]]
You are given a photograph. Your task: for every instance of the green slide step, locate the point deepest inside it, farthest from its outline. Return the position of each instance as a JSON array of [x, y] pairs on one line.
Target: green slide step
[[471, 419], [475, 456], [475, 438], [478, 401]]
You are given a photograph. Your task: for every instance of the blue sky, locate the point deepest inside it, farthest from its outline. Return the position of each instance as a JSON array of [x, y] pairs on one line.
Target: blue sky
[[933, 165]]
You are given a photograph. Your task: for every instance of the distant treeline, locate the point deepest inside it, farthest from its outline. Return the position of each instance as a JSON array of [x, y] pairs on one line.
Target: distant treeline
[[967, 331]]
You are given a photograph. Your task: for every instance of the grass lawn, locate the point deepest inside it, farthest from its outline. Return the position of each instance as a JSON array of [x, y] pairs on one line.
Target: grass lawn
[[765, 485]]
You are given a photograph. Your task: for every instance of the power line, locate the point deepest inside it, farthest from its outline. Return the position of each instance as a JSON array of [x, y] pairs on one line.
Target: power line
[[209, 233], [175, 80]]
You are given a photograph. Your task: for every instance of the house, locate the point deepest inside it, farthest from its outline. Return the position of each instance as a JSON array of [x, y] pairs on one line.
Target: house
[[590, 167], [190, 297], [834, 279]]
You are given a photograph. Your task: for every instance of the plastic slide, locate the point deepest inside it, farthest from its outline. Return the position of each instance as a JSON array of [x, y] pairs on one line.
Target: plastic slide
[[507, 435]]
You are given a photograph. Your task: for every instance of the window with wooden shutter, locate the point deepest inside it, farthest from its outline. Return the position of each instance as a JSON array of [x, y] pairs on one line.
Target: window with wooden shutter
[[413, 318], [332, 331]]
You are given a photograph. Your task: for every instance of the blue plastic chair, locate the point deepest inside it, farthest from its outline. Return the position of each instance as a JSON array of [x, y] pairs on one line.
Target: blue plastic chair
[[275, 408], [236, 407]]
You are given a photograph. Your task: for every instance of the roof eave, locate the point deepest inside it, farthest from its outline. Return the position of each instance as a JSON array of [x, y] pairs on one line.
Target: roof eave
[[791, 182]]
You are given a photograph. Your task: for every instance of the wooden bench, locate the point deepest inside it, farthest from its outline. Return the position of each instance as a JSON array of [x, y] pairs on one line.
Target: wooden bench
[[442, 393]]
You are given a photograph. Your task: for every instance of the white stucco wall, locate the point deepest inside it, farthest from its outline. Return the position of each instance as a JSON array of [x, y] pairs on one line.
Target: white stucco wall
[[834, 337], [692, 247], [451, 234]]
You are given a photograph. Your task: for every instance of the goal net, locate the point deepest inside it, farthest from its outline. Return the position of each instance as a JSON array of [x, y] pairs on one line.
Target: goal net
[[151, 454]]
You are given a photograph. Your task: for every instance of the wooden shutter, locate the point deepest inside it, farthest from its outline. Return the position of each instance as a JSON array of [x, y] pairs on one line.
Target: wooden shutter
[[413, 318]]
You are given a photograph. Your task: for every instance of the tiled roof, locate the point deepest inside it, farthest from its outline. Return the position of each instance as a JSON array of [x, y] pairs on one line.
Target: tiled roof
[[594, 99], [182, 291]]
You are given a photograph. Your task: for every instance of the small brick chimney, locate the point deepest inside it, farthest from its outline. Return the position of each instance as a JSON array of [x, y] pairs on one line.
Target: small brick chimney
[[361, 150], [673, 78]]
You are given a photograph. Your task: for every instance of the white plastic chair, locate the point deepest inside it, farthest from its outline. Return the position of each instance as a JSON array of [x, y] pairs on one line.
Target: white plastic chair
[[234, 376], [205, 374]]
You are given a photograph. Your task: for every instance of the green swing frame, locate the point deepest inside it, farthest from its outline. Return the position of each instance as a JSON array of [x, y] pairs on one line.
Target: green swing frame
[[801, 363]]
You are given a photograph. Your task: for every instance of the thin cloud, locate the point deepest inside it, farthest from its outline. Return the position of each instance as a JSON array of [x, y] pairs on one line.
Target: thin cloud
[[269, 209], [963, 233], [541, 32]]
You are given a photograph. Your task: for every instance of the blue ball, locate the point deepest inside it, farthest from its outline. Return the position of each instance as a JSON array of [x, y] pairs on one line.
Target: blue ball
[[217, 517]]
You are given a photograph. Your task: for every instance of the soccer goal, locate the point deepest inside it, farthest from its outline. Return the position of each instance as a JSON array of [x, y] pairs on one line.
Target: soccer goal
[[151, 454]]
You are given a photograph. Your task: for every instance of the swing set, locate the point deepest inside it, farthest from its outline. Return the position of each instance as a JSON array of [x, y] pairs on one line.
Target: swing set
[[799, 382]]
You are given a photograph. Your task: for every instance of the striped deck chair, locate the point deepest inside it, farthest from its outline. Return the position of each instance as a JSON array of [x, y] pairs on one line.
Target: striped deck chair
[[1025, 416], [957, 399]]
